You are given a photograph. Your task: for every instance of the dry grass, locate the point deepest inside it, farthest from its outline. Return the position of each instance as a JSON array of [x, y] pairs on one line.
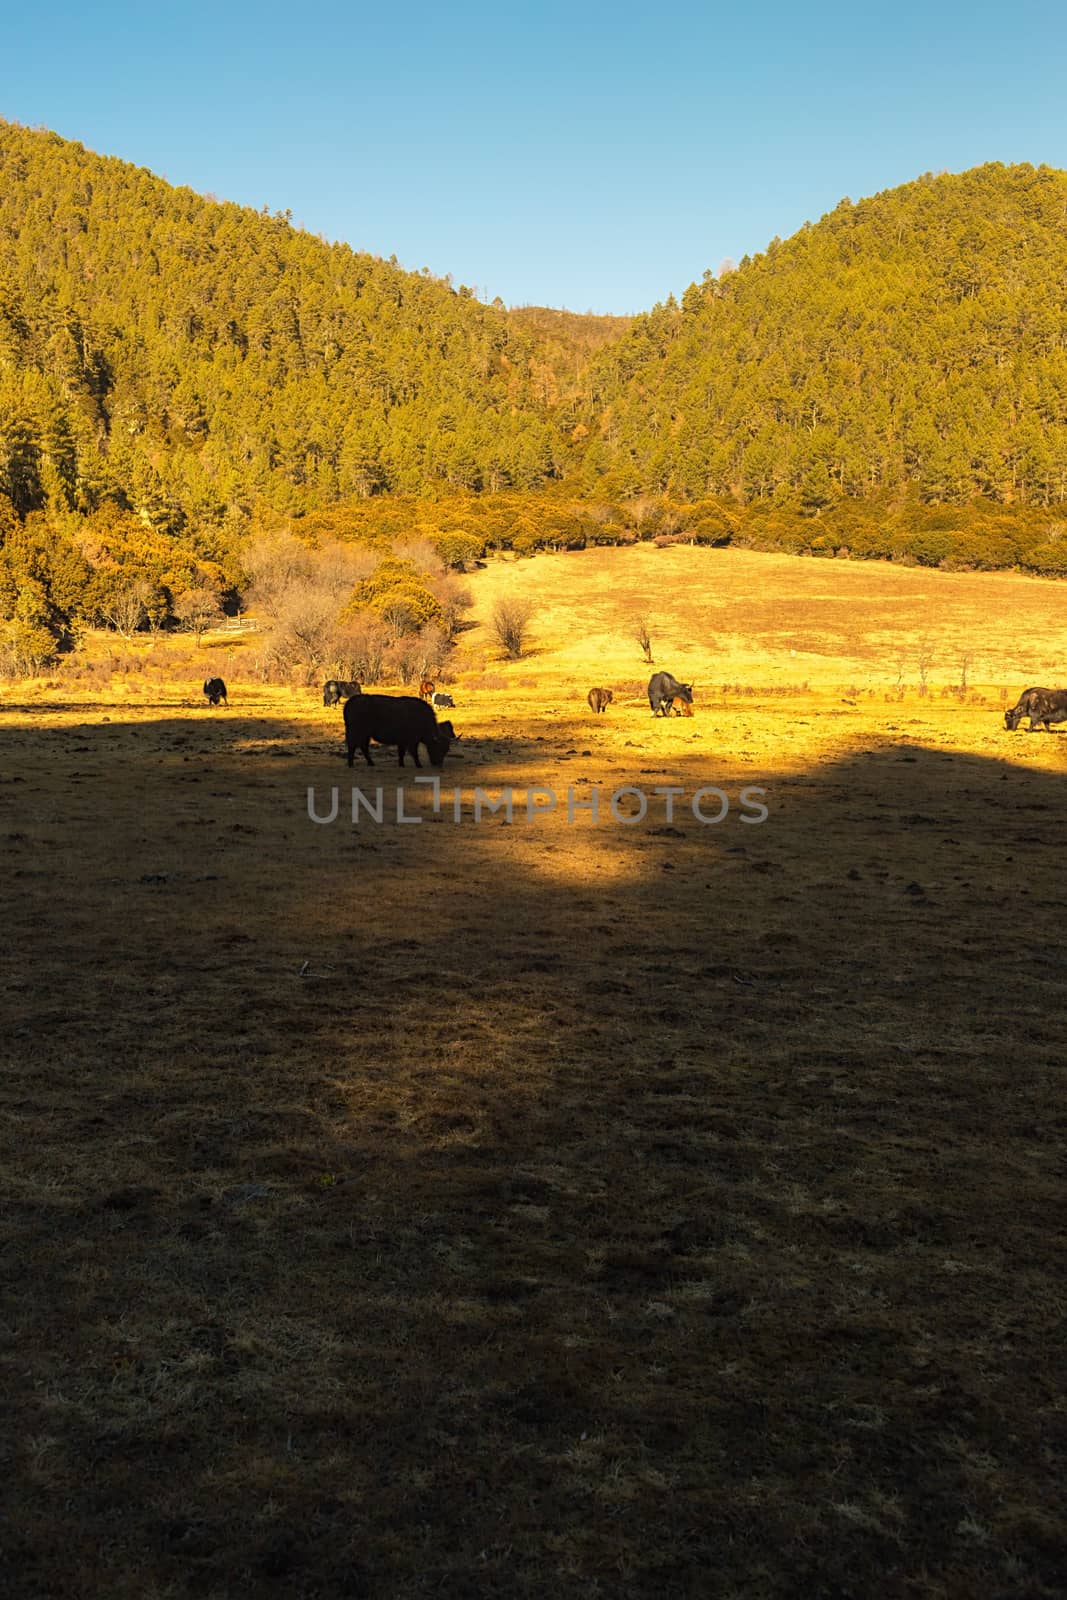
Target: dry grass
[[544, 1210], [722, 616]]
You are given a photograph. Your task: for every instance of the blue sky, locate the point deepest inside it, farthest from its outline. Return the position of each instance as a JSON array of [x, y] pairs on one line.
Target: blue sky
[[593, 156]]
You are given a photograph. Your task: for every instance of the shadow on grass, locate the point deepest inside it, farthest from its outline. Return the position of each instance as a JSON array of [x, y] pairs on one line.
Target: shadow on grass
[[649, 1209]]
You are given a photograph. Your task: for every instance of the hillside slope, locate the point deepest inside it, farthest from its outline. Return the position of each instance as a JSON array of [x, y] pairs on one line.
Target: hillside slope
[[191, 355], [730, 616], [918, 339]]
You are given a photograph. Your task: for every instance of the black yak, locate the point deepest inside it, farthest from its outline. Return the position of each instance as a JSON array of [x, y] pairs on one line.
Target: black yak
[[402, 720], [1042, 706]]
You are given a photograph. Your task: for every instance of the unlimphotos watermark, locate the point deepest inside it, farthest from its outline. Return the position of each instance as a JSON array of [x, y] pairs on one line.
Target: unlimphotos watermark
[[625, 806]]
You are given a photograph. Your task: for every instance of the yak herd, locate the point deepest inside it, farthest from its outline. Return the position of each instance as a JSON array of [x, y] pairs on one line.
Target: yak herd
[[408, 721]]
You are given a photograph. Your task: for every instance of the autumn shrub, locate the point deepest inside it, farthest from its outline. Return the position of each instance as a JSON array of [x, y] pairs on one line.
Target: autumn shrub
[[25, 649], [398, 595], [709, 523], [457, 549], [1049, 559]]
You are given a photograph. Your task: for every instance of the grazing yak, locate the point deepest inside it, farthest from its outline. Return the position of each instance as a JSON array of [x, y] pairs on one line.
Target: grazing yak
[[1042, 706], [334, 690], [441, 701], [664, 689], [215, 690], [402, 720], [426, 688], [599, 699]]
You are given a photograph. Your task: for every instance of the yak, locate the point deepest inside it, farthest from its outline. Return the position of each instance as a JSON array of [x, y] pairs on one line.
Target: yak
[[403, 720], [599, 699], [1042, 706], [215, 690], [664, 689]]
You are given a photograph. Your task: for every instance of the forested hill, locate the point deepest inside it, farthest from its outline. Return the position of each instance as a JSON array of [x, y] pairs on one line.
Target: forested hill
[[913, 339], [173, 367], [192, 356], [565, 342]]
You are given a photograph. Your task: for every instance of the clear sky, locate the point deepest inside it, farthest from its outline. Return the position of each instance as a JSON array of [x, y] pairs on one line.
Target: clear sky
[[592, 156]]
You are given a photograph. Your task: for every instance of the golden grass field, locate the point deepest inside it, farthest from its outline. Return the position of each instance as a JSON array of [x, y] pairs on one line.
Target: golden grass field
[[546, 1209]]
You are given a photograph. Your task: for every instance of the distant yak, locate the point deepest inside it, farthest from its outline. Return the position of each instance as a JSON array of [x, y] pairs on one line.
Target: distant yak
[[426, 688], [599, 700], [442, 702], [215, 690]]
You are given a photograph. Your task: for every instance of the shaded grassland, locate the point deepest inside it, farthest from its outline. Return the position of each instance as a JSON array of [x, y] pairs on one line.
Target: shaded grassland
[[545, 1209]]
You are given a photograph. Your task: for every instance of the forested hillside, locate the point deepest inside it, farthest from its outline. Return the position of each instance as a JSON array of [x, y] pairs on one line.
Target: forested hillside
[[916, 340], [195, 356], [181, 376]]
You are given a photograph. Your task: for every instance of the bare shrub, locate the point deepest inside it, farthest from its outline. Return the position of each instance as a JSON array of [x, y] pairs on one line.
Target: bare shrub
[[966, 662], [274, 563], [360, 646], [399, 615], [305, 628], [126, 608], [418, 655], [643, 515], [96, 676], [401, 662], [510, 621], [454, 598], [339, 567], [197, 609], [431, 650], [642, 633], [279, 565], [302, 592]]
